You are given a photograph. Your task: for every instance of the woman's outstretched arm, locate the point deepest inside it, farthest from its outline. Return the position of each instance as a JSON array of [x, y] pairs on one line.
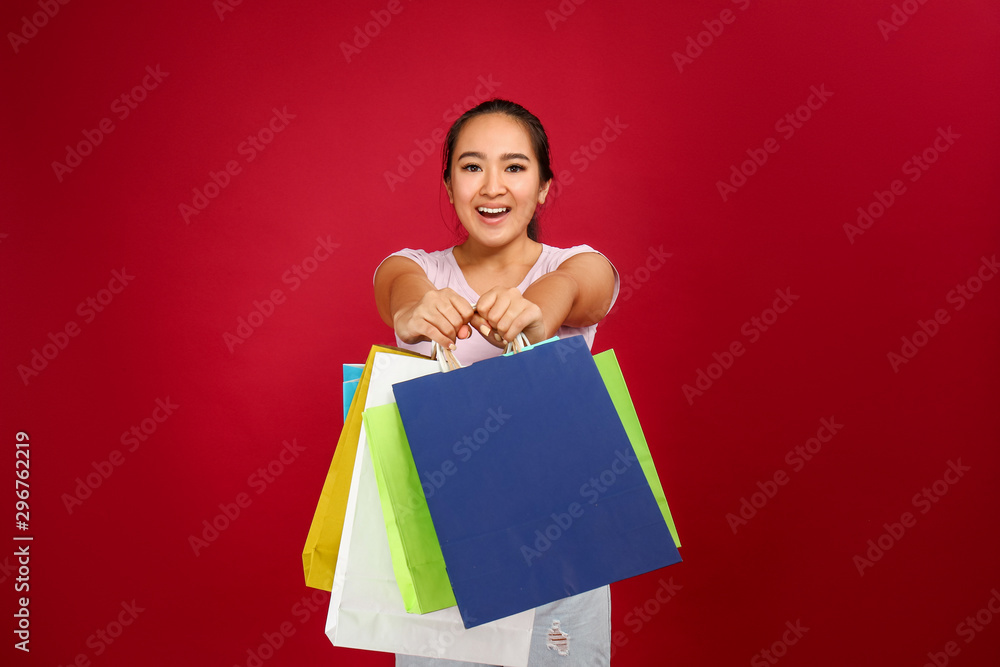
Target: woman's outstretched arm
[[418, 311]]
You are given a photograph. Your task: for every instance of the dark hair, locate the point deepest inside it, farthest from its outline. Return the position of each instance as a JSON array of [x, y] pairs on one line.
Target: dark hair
[[530, 123]]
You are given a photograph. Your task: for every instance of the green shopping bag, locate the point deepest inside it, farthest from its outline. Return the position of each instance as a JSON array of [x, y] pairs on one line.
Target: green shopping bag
[[417, 561], [611, 373]]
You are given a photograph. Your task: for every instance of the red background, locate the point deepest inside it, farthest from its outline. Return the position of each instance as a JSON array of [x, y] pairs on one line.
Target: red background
[[654, 186]]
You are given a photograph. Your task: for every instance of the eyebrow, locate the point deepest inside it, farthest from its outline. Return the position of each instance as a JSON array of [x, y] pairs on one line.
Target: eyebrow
[[504, 157]]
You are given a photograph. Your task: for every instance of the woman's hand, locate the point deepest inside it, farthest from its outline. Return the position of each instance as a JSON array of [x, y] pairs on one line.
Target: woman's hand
[[441, 316], [505, 311]]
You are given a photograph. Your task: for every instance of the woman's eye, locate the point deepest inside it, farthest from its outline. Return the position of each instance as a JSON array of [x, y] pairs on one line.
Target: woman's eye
[[516, 167], [470, 167]]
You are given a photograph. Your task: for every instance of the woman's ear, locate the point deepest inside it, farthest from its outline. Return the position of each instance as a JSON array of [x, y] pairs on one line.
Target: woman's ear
[[544, 191], [447, 187]]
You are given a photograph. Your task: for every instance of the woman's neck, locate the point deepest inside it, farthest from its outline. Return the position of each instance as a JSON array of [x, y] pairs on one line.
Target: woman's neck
[[521, 252]]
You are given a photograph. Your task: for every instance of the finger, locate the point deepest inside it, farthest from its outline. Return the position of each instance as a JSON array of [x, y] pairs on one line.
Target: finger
[[439, 328], [528, 318], [433, 334], [452, 315], [505, 323], [480, 324], [487, 331], [518, 325], [499, 310], [458, 311], [486, 302], [461, 305]]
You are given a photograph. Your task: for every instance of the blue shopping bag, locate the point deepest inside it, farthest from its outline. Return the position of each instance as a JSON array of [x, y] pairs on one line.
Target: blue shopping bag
[[532, 484], [352, 377]]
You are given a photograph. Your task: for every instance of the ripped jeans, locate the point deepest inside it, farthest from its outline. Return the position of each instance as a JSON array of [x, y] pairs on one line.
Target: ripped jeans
[[572, 632]]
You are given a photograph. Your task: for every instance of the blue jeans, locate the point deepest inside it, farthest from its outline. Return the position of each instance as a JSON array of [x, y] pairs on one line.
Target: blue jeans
[[572, 632]]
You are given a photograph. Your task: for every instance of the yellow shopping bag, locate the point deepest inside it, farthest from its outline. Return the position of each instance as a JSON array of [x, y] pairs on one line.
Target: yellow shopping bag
[[319, 556]]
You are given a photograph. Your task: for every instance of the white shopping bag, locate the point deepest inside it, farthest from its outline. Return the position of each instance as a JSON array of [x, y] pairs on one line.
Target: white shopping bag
[[366, 607]]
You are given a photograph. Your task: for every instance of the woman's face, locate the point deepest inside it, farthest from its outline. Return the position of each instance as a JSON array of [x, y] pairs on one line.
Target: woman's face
[[495, 180]]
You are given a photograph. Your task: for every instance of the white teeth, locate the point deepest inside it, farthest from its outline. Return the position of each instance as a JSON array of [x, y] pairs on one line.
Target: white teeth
[[483, 209]]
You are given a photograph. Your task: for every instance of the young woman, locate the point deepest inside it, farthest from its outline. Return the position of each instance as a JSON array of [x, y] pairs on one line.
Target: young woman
[[500, 282]]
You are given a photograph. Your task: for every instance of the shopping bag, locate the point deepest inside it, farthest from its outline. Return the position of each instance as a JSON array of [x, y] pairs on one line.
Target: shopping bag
[[416, 555], [319, 555], [614, 381], [352, 377], [543, 496], [366, 607], [611, 373]]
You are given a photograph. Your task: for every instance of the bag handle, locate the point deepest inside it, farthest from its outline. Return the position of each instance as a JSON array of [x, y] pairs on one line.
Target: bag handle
[[447, 361], [516, 345], [445, 358]]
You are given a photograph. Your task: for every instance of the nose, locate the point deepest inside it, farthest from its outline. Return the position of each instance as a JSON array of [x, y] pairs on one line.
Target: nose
[[493, 183]]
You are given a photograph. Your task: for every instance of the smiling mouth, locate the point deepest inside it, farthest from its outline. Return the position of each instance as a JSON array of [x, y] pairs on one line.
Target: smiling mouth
[[488, 212]]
